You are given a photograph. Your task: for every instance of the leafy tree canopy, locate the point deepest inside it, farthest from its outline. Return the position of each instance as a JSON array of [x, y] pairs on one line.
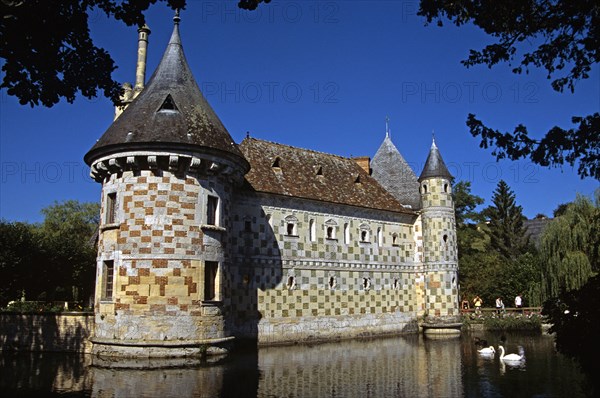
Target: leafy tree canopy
[[49, 53], [570, 247], [54, 260], [465, 203], [564, 36]]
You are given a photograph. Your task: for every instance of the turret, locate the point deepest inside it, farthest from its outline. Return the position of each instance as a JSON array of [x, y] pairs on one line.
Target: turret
[[167, 167], [129, 93], [440, 261]]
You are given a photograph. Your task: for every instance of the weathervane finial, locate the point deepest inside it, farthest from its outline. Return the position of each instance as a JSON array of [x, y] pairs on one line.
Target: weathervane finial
[[387, 126], [176, 18]]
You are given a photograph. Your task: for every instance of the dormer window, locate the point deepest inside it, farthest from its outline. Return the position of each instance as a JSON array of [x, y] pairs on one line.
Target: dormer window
[[320, 171], [365, 233], [330, 229], [291, 226], [168, 105], [276, 163]]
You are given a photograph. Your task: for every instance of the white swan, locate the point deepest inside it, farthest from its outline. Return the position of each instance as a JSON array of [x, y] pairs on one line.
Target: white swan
[[487, 350], [511, 357]]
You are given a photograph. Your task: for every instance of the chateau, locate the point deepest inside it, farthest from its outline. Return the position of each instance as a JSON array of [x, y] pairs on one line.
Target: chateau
[[204, 241]]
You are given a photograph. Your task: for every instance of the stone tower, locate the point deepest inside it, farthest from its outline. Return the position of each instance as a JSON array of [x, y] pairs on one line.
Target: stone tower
[[440, 259], [168, 168]]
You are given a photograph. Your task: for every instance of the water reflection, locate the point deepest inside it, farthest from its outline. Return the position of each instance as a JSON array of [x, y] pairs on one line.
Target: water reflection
[[395, 367]]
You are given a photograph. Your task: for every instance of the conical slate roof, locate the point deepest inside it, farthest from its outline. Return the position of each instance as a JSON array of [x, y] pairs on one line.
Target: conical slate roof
[[395, 174], [170, 113], [434, 165]]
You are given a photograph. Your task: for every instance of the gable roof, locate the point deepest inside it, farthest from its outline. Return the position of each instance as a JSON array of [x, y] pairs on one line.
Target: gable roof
[[395, 174], [170, 112], [296, 172]]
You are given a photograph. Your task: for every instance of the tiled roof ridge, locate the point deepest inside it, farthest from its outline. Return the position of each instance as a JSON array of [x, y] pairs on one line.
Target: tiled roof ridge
[[298, 148]]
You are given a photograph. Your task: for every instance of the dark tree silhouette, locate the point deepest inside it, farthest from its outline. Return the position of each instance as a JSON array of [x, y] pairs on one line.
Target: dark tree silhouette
[[565, 36], [49, 53]]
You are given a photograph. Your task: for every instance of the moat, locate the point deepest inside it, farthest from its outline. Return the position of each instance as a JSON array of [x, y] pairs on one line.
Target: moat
[[407, 366]]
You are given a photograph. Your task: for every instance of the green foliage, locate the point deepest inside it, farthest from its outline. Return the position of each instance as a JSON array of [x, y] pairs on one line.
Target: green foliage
[[557, 147], [19, 250], [54, 260], [565, 41], [33, 306], [574, 316], [495, 259], [570, 247], [506, 231], [465, 203], [49, 53], [513, 322]]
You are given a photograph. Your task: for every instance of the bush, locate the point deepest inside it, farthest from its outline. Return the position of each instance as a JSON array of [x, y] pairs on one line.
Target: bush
[[513, 322]]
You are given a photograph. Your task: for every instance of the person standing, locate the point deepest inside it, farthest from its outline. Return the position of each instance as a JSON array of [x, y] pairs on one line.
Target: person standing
[[518, 302], [499, 305], [477, 301]]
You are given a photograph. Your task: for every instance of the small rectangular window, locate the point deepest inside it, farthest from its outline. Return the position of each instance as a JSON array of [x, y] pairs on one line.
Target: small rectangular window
[[111, 208], [290, 228], [212, 205], [247, 226], [109, 272], [210, 280]]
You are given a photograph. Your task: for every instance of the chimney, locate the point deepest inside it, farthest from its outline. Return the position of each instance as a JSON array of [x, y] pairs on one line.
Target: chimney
[[140, 70], [364, 162]]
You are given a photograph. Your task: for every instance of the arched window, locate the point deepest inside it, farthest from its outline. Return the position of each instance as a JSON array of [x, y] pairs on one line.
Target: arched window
[[365, 233], [291, 282], [366, 283], [346, 233], [332, 282], [379, 237], [330, 229], [312, 228]]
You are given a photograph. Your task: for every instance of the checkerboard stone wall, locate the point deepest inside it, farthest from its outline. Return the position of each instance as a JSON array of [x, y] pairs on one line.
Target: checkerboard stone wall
[[286, 280], [442, 293], [158, 247], [440, 257]]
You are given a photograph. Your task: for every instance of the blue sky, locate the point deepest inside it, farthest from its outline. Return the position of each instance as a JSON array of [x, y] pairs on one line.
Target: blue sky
[[321, 75]]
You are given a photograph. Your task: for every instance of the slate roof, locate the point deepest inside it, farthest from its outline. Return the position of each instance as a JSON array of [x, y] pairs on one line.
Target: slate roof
[[393, 172], [535, 229], [295, 172], [170, 112], [434, 165]]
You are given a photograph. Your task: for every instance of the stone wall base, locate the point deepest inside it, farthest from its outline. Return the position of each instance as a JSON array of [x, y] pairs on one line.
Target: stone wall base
[[103, 348], [328, 328]]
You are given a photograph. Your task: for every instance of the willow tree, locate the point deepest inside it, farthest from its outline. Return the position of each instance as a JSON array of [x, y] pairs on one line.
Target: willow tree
[[570, 247]]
